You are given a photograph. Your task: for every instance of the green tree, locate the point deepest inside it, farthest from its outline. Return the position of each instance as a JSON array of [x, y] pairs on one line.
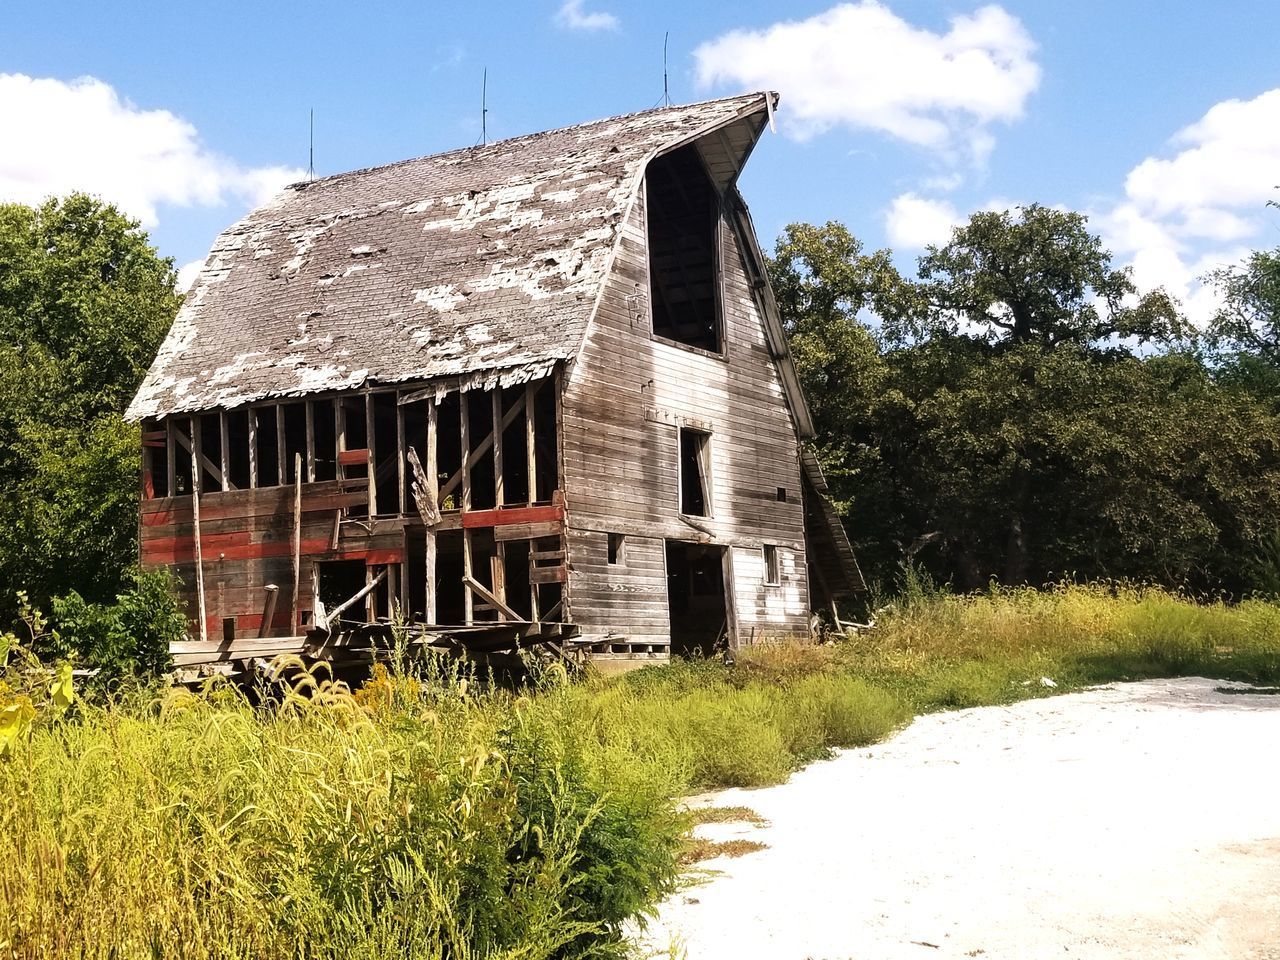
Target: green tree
[[1038, 277], [1248, 320], [84, 303], [1025, 456]]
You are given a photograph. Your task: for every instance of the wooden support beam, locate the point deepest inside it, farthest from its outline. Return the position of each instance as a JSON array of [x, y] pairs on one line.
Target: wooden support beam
[[268, 609], [170, 449], [282, 475], [192, 446], [433, 480], [468, 603], [401, 454], [481, 449], [496, 394], [464, 421], [531, 441], [373, 455], [224, 451], [297, 540], [311, 442], [480, 591], [253, 447], [370, 583], [498, 571], [195, 518]]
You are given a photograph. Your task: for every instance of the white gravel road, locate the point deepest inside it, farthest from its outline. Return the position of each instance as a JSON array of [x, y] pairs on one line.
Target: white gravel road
[[1140, 820]]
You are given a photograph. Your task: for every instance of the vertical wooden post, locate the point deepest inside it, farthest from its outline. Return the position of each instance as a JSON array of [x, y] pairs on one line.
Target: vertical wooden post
[[268, 609], [468, 601], [195, 523], [393, 588], [297, 539], [170, 451], [370, 601], [253, 448], [282, 474], [498, 496], [373, 454], [224, 450], [433, 479], [400, 457], [730, 601], [311, 441], [464, 420], [530, 390]]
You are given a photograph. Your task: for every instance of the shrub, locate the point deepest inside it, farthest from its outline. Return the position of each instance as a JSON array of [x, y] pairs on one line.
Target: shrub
[[128, 638]]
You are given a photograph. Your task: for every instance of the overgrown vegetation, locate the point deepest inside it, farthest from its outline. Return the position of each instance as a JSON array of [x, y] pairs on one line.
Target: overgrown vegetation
[[84, 302], [1019, 411], [426, 815]]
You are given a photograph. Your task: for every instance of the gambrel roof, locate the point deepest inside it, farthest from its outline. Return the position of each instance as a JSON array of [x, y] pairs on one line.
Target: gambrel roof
[[483, 265]]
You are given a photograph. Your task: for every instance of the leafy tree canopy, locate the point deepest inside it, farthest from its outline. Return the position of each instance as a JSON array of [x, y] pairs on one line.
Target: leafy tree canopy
[[1037, 277], [84, 303]]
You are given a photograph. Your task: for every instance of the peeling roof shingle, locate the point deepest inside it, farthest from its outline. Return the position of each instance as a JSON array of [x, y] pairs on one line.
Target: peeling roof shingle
[[483, 262]]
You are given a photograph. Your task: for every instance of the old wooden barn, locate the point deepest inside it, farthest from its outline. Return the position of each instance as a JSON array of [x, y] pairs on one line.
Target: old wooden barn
[[531, 391]]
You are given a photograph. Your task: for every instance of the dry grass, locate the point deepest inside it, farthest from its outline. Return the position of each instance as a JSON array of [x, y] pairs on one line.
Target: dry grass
[[698, 849], [702, 815]]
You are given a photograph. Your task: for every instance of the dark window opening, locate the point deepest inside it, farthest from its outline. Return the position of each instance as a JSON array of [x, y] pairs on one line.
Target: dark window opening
[[414, 416], [181, 428], [324, 431], [268, 449], [516, 562], [448, 455], [295, 441], [696, 598], [210, 435], [542, 554], [515, 451], [684, 277], [546, 478], [479, 426], [237, 422], [782, 494], [340, 580], [616, 541], [386, 453], [449, 599], [355, 433], [772, 573], [695, 473], [156, 450]]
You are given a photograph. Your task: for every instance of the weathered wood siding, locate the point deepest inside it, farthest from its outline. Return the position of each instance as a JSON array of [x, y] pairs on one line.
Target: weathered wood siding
[[622, 403]]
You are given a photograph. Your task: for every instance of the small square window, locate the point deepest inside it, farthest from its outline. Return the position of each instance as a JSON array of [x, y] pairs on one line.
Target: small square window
[[772, 573], [616, 542], [782, 494]]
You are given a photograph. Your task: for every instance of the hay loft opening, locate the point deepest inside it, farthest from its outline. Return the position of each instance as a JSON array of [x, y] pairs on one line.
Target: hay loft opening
[[684, 253]]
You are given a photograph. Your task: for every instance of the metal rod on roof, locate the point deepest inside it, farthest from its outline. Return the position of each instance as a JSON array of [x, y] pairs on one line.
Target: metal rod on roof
[[666, 97], [484, 107], [311, 150]]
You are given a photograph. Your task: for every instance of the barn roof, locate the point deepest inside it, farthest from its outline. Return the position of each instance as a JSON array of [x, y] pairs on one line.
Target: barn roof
[[483, 264]]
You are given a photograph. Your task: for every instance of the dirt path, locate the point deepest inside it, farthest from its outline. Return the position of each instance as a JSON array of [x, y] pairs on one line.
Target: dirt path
[[1140, 820]]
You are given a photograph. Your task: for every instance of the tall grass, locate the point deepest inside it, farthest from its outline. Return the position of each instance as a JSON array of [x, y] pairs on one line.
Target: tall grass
[[427, 816]]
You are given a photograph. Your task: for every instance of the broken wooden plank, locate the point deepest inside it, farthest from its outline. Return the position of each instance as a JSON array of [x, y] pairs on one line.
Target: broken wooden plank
[[483, 593]]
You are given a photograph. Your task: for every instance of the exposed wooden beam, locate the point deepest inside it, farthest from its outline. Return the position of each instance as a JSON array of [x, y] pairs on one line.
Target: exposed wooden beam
[[481, 448], [433, 480], [479, 590], [192, 446]]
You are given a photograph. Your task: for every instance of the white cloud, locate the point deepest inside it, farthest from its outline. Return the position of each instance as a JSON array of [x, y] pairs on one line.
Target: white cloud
[[80, 135], [572, 15], [913, 222], [187, 274], [1203, 206], [860, 65]]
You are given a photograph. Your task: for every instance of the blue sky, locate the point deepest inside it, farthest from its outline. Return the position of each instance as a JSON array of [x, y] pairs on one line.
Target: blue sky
[[1161, 121]]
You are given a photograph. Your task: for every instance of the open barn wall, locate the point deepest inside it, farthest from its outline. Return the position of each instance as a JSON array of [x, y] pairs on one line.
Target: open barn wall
[[448, 501], [628, 396]]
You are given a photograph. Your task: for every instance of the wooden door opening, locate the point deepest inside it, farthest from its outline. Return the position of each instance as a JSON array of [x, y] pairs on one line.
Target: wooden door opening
[[696, 598]]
